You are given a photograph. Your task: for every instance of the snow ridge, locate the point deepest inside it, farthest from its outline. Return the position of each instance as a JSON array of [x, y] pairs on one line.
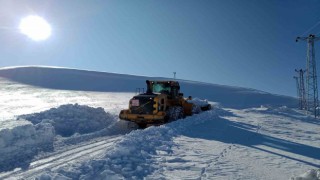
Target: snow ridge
[[137, 154], [75, 123], [23, 143], [70, 119], [312, 174]]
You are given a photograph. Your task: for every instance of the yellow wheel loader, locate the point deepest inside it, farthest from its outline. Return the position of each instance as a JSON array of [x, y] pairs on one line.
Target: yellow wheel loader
[[161, 103]]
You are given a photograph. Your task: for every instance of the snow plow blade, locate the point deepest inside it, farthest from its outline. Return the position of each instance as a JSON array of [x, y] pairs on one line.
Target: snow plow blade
[[141, 118]]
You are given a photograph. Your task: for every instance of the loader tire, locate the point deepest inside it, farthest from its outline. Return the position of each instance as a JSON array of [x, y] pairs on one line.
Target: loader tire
[[196, 109], [174, 113]]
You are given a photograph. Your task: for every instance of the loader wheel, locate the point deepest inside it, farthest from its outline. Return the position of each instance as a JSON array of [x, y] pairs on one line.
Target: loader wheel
[[196, 109], [174, 113]]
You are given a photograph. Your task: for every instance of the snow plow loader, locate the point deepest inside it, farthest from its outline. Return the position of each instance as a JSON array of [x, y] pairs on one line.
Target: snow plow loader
[[161, 103]]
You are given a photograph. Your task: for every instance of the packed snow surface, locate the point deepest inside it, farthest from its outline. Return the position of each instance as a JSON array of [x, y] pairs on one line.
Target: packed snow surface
[[137, 155], [218, 144], [250, 135]]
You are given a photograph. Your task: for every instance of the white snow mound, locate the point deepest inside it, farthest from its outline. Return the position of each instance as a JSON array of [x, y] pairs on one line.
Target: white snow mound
[[135, 156], [70, 119], [20, 144], [198, 102], [312, 174]]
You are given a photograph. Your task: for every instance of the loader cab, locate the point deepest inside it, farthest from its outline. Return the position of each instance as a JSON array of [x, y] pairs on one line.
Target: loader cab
[[170, 88]]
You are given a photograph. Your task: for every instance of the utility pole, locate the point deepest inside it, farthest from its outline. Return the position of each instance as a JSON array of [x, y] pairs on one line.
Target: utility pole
[[302, 92], [174, 75], [311, 78], [298, 91]]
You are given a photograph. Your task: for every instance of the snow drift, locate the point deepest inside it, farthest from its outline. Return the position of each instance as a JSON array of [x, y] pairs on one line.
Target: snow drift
[[312, 174], [135, 156], [232, 147], [27, 140], [20, 144], [72, 79], [70, 119]]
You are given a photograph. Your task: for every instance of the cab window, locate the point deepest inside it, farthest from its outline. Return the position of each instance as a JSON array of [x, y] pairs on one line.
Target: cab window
[[161, 88]]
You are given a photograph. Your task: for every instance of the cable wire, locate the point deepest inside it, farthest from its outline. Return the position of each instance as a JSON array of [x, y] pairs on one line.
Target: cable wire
[[311, 28]]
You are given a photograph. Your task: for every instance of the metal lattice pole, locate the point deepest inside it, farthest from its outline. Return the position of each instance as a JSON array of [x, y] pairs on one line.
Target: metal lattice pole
[[298, 91], [301, 86], [311, 78]]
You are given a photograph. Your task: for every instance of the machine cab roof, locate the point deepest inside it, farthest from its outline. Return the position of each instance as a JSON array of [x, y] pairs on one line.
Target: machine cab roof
[[170, 88]]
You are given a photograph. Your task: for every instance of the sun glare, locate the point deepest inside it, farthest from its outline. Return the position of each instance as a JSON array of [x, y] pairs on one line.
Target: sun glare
[[35, 27]]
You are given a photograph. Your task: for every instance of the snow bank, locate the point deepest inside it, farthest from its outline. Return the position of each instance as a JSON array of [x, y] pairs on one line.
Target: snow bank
[[133, 156], [198, 102], [70, 119], [21, 143], [137, 154], [309, 175], [40, 131], [282, 110]]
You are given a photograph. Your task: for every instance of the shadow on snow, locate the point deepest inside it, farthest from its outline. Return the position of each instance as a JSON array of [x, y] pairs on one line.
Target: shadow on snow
[[230, 132], [293, 115]]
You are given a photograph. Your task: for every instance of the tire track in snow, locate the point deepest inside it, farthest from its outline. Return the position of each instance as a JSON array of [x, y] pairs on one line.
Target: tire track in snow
[[60, 159], [216, 160], [228, 150], [252, 163]]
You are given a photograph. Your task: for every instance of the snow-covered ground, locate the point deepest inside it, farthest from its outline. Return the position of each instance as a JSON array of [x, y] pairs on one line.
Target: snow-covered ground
[[265, 139]]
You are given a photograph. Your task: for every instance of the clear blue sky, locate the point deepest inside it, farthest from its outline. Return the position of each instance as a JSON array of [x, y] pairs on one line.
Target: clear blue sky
[[247, 43]]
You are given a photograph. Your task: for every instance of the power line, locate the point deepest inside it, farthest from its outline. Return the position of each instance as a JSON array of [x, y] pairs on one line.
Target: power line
[[311, 29], [317, 33]]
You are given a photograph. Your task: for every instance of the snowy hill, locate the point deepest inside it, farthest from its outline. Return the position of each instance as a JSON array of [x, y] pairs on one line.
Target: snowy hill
[[81, 80], [62, 124]]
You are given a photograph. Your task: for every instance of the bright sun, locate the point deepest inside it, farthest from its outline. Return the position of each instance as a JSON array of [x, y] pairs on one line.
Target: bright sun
[[35, 27]]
